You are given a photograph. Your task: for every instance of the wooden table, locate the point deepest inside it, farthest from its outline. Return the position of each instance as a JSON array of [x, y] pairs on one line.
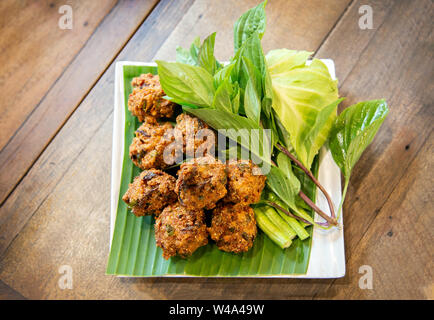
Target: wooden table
[[56, 132]]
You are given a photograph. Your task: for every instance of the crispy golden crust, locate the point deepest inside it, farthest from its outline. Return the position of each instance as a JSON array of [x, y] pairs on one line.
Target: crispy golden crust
[[147, 98], [146, 80], [150, 192], [233, 227], [179, 231], [245, 182], [147, 148], [195, 134], [201, 183]]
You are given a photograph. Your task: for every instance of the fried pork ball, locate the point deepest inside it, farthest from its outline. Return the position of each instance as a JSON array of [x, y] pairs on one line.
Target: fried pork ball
[[147, 148], [147, 98], [201, 183], [245, 182], [194, 135], [150, 192], [179, 231], [233, 227]]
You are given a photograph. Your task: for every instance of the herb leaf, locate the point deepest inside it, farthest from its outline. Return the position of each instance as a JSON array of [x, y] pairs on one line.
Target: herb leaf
[[251, 73], [184, 56], [189, 56], [254, 138], [222, 99], [250, 22], [206, 57], [252, 103], [268, 93], [354, 130], [186, 84], [252, 50], [194, 49], [222, 74], [286, 187], [236, 99]]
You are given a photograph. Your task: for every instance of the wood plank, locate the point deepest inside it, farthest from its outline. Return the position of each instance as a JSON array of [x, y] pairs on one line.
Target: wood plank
[[81, 209], [402, 234], [395, 64], [79, 74], [78, 134], [35, 51], [7, 293], [396, 56], [290, 24]]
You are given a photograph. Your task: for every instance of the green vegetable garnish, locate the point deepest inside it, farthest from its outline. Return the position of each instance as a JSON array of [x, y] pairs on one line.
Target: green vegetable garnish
[[169, 229], [295, 99], [251, 21], [305, 99], [353, 131]]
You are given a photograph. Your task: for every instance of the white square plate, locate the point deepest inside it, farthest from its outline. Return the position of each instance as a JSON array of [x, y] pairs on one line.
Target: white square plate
[[327, 258]]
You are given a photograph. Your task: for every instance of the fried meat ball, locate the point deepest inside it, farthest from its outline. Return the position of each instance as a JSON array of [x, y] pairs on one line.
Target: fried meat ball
[[201, 183], [147, 148], [146, 80], [147, 98], [150, 192], [233, 227], [245, 182], [193, 137], [179, 231]]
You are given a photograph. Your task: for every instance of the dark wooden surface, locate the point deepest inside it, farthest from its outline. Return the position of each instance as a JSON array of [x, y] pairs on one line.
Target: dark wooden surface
[[56, 129]]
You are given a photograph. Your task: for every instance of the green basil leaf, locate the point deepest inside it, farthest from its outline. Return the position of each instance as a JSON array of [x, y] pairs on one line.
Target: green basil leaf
[[223, 74], [189, 56], [267, 93], [354, 130], [269, 123], [252, 103], [184, 56], [289, 188], [283, 134], [237, 150], [186, 84], [251, 21], [222, 98], [250, 72], [206, 57], [236, 99], [254, 139], [195, 48], [286, 187], [252, 50], [284, 163]]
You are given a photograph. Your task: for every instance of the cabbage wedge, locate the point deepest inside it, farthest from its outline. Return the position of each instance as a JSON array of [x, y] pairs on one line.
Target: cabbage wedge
[[305, 99]]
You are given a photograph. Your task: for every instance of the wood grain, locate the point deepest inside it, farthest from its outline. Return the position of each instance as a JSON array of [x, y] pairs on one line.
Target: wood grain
[[34, 191], [290, 24], [62, 205], [35, 51], [399, 63], [7, 293], [402, 264], [79, 74], [396, 56]]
